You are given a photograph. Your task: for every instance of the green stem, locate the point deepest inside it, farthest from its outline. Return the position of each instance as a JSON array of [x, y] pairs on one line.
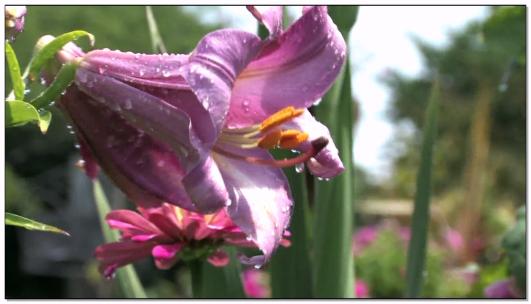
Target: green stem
[[196, 272]]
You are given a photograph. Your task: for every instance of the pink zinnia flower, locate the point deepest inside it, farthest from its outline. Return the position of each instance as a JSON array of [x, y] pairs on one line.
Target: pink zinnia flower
[[168, 233], [361, 289], [253, 284], [364, 237], [194, 130]]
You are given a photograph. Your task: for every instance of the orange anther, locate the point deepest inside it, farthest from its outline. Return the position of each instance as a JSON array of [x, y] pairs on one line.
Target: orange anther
[[271, 140], [280, 117], [291, 140]]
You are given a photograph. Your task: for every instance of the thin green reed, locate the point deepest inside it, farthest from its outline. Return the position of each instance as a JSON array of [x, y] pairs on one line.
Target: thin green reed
[[333, 225], [416, 256], [126, 276], [291, 268]]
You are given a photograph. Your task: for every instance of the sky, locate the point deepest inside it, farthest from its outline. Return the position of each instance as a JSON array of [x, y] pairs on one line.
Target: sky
[[381, 41]]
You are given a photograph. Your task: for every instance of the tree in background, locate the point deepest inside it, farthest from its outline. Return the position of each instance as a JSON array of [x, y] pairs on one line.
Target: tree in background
[[480, 153]]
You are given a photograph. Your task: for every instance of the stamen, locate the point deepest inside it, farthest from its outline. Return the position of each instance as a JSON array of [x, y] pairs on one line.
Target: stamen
[[292, 140], [280, 117], [271, 140], [316, 146], [285, 139]]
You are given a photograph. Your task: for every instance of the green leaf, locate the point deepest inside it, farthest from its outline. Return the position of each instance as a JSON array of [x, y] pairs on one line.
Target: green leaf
[[344, 17], [45, 118], [222, 282], [157, 44], [19, 113], [19, 221], [291, 268], [14, 72], [420, 220], [128, 279], [50, 49], [62, 81]]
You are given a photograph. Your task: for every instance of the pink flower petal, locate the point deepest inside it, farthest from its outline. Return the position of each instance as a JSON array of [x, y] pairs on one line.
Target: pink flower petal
[[295, 69], [269, 16], [261, 199], [219, 258]]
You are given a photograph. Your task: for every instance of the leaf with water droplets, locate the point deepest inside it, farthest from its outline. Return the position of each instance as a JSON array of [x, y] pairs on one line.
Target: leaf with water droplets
[[14, 72]]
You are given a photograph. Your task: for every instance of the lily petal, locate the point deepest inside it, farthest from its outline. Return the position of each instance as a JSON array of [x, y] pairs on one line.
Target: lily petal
[[161, 70], [269, 16], [296, 69], [145, 169], [146, 112], [261, 199], [206, 188], [214, 65], [326, 164]]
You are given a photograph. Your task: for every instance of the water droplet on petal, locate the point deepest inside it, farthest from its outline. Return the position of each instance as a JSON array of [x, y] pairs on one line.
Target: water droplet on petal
[[166, 73], [128, 104], [257, 266], [299, 168]]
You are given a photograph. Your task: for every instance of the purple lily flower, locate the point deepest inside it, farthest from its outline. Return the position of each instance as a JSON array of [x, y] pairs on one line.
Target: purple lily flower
[[194, 130]]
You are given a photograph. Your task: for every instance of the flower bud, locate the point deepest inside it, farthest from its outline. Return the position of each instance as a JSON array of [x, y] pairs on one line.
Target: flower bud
[[14, 23]]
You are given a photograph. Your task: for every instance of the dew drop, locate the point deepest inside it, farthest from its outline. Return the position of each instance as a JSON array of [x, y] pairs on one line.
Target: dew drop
[[137, 56], [249, 238], [128, 104], [257, 266], [160, 163], [141, 72], [166, 73], [228, 202], [285, 209], [299, 168], [77, 146]]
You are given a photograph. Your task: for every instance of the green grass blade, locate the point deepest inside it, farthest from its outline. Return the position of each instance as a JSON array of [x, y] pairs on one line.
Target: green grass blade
[[291, 269], [14, 72], [157, 44], [62, 81], [223, 282], [420, 221], [20, 221], [50, 49], [128, 279]]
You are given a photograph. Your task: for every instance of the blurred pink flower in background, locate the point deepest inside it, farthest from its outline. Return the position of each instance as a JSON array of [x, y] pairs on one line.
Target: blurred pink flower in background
[[361, 289], [503, 289], [454, 239], [363, 238], [254, 285]]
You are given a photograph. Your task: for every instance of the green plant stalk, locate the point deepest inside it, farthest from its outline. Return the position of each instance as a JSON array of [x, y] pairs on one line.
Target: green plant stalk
[[291, 268], [127, 278], [157, 44], [416, 256], [196, 274], [223, 282], [334, 263]]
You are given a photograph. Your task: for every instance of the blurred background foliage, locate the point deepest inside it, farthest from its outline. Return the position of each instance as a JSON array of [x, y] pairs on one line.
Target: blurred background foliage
[[479, 165]]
